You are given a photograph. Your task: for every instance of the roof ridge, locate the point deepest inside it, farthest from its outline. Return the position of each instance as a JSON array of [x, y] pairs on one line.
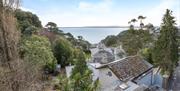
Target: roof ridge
[[103, 65]]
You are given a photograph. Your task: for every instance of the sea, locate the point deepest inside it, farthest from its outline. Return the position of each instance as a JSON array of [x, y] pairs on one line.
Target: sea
[[93, 34]]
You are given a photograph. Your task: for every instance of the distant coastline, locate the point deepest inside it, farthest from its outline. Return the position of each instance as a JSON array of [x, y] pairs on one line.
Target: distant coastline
[[98, 27], [93, 34], [107, 27]]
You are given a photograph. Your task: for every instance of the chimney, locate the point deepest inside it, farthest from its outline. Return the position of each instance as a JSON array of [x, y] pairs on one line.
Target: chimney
[[165, 82]]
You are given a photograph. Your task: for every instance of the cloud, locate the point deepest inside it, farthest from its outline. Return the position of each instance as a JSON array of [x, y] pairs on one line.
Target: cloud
[[155, 15], [102, 6], [85, 5], [104, 12], [25, 9]]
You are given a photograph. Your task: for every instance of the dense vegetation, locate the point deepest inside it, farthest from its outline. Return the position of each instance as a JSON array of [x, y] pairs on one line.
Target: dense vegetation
[[165, 53], [132, 40], [63, 51], [37, 51], [26, 53], [28, 22], [159, 48], [27, 50]]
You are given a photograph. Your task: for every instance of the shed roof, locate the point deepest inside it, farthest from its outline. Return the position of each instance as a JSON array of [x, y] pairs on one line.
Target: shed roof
[[129, 68]]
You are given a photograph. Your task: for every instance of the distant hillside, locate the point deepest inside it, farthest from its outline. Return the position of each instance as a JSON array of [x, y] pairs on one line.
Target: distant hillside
[[99, 27], [131, 40]]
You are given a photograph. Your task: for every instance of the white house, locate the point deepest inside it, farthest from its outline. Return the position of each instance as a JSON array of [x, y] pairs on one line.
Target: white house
[[127, 74]]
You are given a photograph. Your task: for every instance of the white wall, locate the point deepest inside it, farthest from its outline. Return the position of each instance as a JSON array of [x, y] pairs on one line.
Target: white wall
[[146, 79], [109, 83], [158, 80]]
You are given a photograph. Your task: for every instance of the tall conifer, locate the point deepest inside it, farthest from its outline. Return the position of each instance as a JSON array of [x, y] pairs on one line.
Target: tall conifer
[[166, 48]]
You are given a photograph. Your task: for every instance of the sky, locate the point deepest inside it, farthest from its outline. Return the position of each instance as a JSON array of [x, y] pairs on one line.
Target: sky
[[76, 13]]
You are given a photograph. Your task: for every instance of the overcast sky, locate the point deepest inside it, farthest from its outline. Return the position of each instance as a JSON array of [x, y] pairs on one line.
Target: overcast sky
[[68, 13]]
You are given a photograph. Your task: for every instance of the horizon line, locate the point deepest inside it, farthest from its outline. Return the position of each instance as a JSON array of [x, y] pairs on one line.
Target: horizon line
[[98, 27]]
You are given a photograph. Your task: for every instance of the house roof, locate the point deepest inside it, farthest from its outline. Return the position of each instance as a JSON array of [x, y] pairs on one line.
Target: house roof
[[129, 68], [103, 57]]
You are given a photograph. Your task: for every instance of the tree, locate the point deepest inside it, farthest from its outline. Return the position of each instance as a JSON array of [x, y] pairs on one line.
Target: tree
[[110, 41], [141, 23], [53, 27], [36, 51], [81, 76], [10, 64], [80, 65], [150, 27], [165, 53], [80, 38], [63, 51], [133, 41], [147, 54], [69, 36], [134, 21], [132, 25], [27, 22], [30, 30]]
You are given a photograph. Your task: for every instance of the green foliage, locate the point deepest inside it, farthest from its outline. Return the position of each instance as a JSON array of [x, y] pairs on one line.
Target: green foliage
[[110, 41], [30, 30], [141, 23], [165, 53], [37, 50], [78, 83], [80, 42], [82, 82], [63, 84], [63, 51], [131, 40], [27, 21], [132, 25], [53, 27], [134, 40], [80, 37], [84, 45], [81, 76], [147, 54], [131, 43], [80, 63]]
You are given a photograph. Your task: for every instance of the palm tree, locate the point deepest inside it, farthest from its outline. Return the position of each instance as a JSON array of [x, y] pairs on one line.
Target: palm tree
[[130, 25], [141, 18], [134, 21], [150, 27]]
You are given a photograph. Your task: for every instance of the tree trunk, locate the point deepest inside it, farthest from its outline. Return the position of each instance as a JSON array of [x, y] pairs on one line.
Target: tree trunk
[[9, 60]]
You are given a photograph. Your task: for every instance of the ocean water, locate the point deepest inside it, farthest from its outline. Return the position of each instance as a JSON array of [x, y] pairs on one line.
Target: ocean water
[[93, 35]]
